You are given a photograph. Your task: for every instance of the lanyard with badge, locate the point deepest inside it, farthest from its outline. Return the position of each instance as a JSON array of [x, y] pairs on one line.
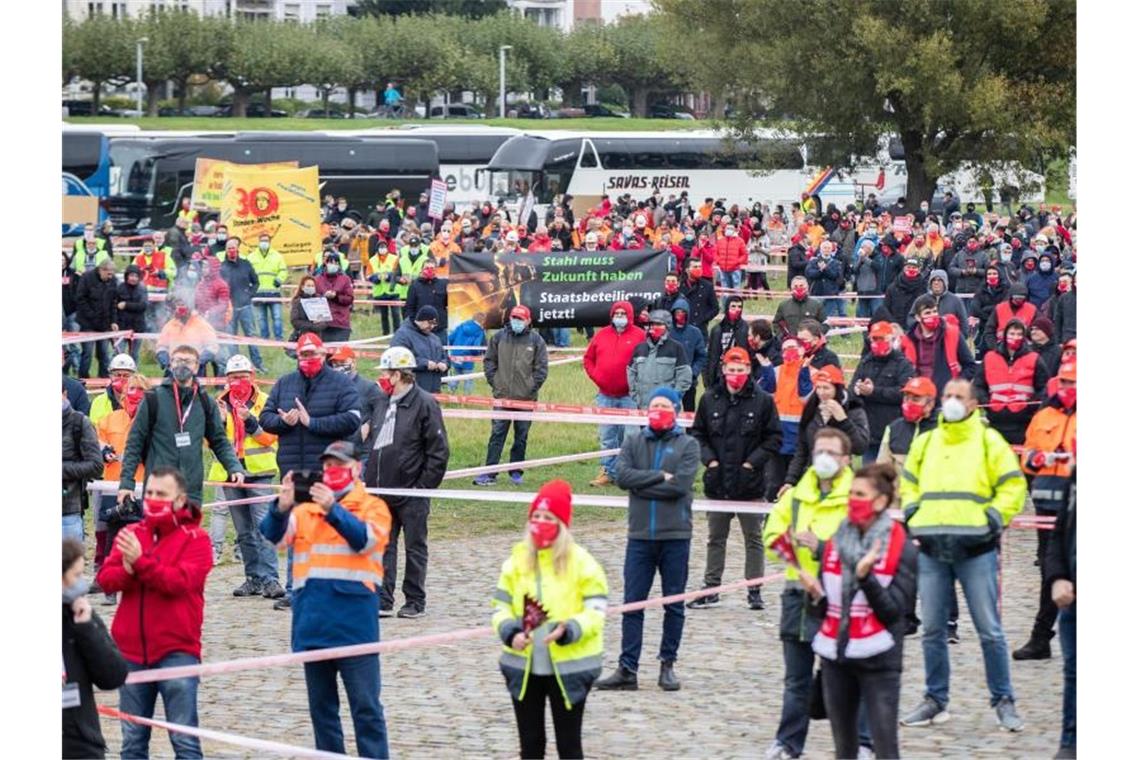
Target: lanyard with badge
[[70, 691], [182, 438]]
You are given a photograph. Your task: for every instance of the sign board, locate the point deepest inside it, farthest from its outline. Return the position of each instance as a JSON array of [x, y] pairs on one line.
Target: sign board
[[206, 194], [80, 209], [317, 309], [902, 225], [438, 198], [282, 203]]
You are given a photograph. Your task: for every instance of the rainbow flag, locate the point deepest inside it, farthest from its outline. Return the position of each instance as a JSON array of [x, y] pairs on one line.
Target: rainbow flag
[[820, 181]]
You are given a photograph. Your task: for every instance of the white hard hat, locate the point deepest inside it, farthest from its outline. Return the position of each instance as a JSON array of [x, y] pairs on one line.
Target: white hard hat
[[397, 357], [123, 361], [238, 363]]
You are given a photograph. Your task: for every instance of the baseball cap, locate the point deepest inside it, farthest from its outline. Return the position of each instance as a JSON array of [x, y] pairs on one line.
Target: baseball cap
[[342, 450], [309, 340], [920, 386], [520, 312], [881, 330], [343, 354], [736, 354], [828, 373]]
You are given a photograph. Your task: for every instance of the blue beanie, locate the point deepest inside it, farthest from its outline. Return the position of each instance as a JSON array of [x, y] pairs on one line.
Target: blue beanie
[[669, 393]]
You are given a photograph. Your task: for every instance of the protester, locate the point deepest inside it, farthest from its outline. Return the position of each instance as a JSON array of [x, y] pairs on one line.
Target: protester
[[830, 405], [160, 566], [244, 283], [187, 328], [1049, 457], [870, 274], [383, 269], [825, 275], [738, 429], [239, 404], [878, 381], [804, 517], [1041, 341], [336, 286], [298, 317], [1060, 573], [1011, 380], [701, 295], [947, 302], [658, 361], [658, 467], [792, 311], [1015, 306], [961, 486], [919, 397], [95, 304], [406, 447], [90, 658], [813, 337], [516, 366], [868, 576], [790, 385], [552, 644], [82, 461], [936, 347], [419, 336], [172, 423], [343, 360], [693, 342], [272, 273], [337, 537], [607, 356], [429, 290], [471, 332], [731, 332]]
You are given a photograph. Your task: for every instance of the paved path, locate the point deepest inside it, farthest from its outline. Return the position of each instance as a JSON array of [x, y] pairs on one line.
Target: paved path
[[451, 701]]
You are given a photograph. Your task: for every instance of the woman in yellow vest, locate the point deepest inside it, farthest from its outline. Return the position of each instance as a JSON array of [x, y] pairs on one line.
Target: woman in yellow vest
[[240, 404], [550, 614]]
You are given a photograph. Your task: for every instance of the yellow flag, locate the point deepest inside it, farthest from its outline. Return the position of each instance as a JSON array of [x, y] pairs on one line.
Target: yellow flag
[[206, 194], [283, 203]]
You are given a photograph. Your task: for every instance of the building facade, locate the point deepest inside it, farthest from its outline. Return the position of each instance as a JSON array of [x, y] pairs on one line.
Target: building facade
[[302, 11]]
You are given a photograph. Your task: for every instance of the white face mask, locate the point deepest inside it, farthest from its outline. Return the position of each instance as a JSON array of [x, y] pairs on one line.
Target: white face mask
[[825, 465], [263, 245], [953, 410], [730, 232]]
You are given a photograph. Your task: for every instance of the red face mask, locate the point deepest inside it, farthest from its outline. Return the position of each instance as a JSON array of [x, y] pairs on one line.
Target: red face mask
[[1013, 343], [860, 511], [1030, 265], [386, 385], [241, 391], [428, 274], [118, 383], [992, 280], [1063, 286], [931, 322], [1067, 396], [337, 477], [132, 399], [671, 287], [799, 293], [753, 342], [880, 347], [681, 318], [734, 313], [159, 513], [910, 274], [310, 367], [182, 312], [791, 356], [912, 411], [808, 347], [231, 254], [694, 274], [736, 382], [661, 420], [657, 332], [543, 533]]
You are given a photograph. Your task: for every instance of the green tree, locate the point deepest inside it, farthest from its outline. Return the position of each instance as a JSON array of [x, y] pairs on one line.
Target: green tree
[[957, 80], [422, 56], [101, 50], [331, 61], [644, 61], [256, 56], [589, 58], [180, 47]]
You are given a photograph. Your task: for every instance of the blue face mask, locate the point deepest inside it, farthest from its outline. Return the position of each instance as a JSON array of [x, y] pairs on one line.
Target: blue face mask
[[517, 326]]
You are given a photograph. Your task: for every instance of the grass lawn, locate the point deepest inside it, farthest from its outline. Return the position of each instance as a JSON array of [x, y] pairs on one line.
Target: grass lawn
[[191, 123], [566, 383]]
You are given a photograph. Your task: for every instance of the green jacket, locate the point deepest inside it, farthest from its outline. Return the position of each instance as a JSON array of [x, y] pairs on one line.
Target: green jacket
[[516, 365], [270, 268], [152, 442]]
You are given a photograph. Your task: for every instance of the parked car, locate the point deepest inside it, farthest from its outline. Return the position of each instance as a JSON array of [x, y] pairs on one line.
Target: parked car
[[203, 110], [599, 111], [84, 108], [320, 113], [455, 111], [252, 111], [528, 111], [669, 111]]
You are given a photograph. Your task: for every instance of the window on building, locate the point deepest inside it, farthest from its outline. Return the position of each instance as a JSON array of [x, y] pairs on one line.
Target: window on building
[[324, 11], [94, 9], [292, 11], [118, 10]]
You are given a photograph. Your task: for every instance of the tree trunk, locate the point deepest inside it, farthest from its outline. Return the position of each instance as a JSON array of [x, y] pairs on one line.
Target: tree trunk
[[352, 102], [426, 98], [268, 101], [182, 88], [719, 100], [153, 90], [325, 100], [96, 96], [919, 185], [640, 102], [241, 100], [572, 94]]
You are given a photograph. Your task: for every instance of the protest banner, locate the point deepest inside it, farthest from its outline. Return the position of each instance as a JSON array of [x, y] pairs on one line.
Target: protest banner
[[438, 199], [902, 225], [283, 203], [206, 194], [561, 288]]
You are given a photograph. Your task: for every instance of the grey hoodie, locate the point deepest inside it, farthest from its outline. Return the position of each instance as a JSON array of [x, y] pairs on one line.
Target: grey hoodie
[[948, 303]]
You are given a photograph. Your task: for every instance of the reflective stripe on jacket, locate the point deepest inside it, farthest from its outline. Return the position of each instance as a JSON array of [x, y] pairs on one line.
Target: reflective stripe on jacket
[[803, 507], [259, 447], [269, 266], [321, 552], [1010, 383], [576, 597]]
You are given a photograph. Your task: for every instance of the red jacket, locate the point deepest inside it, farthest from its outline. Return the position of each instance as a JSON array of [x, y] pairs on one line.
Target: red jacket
[[609, 353], [731, 254], [707, 254], [162, 603], [635, 243]]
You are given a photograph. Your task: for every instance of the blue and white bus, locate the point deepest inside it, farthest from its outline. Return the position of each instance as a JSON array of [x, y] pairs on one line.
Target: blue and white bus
[[87, 163]]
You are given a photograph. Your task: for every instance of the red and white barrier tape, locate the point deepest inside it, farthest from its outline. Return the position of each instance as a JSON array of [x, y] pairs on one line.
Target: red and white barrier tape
[[264, 745], [581, 418], [529, 463]]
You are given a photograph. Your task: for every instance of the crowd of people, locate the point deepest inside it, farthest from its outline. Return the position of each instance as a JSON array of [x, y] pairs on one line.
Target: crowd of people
[[961, 406]]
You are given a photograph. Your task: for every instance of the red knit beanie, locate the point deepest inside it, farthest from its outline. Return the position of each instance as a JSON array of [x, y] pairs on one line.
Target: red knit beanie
[[554, 496]]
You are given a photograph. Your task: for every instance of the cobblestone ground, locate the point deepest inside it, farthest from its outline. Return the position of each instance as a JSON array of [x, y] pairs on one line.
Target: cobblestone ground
[[450, 701]]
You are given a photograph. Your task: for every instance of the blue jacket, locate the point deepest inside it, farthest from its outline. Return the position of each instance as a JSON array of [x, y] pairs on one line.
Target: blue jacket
[[825, 280], [333, 404], [690, 337], [789, 428], [1041, 286], [425, 347], [468, 333]]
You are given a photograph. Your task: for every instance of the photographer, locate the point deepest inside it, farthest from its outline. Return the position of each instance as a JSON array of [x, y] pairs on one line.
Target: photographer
[[338, 531]]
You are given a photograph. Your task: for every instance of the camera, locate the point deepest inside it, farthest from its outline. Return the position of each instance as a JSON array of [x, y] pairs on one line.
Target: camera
[[127, 512], [302, 482]]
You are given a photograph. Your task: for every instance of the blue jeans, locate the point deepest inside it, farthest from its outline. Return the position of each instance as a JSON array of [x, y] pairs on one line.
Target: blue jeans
[[499, 430], [643, 560], [99, 348], [833, 307], [289, 573], [561, 336], [257, 554], [179, 703], [731, 279], [611, 436], [267, 312], [361, 678], [865, 307], [978, 578], [1067, 627], [243, 317], [72, 351], [73, 527]]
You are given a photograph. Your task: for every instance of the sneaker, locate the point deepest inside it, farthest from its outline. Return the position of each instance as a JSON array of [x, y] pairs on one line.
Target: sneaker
[[251, 587], [484, 480], [516, 478], [926, 714], [1035, 649], [704, 602], [952, 632], [386, 610], [778, 752], [865, 753], [283, 603], [603, 479], [755, 602], [271, 589], [1007, 716], [411, 611], [620, 680]]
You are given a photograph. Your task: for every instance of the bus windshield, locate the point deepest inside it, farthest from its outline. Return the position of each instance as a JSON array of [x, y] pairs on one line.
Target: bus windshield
[[512, 184], [132, 169]]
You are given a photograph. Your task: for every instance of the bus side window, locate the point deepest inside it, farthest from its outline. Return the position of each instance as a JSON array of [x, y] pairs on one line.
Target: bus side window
[[614, 155]]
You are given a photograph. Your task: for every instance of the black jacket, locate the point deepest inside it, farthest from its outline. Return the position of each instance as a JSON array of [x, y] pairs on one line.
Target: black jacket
[[703, 305], [90, 658], [77, 395], [737, 337], [820, 358], [423, 292], [855, 426], [242, 279], [418, 454], [797, 261], [986, 299], [888, 374], [900, 297], [1050, 354], [902, 433], [333, 405], [82, 459], [70, 282], [1061, 554], [134, 299], [1065, 317], [733, 429], [95, 302]]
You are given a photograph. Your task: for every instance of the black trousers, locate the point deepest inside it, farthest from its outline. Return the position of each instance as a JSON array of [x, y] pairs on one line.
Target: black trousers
[[844, 687], [411, 517], [530, 715], [1046, 610]]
